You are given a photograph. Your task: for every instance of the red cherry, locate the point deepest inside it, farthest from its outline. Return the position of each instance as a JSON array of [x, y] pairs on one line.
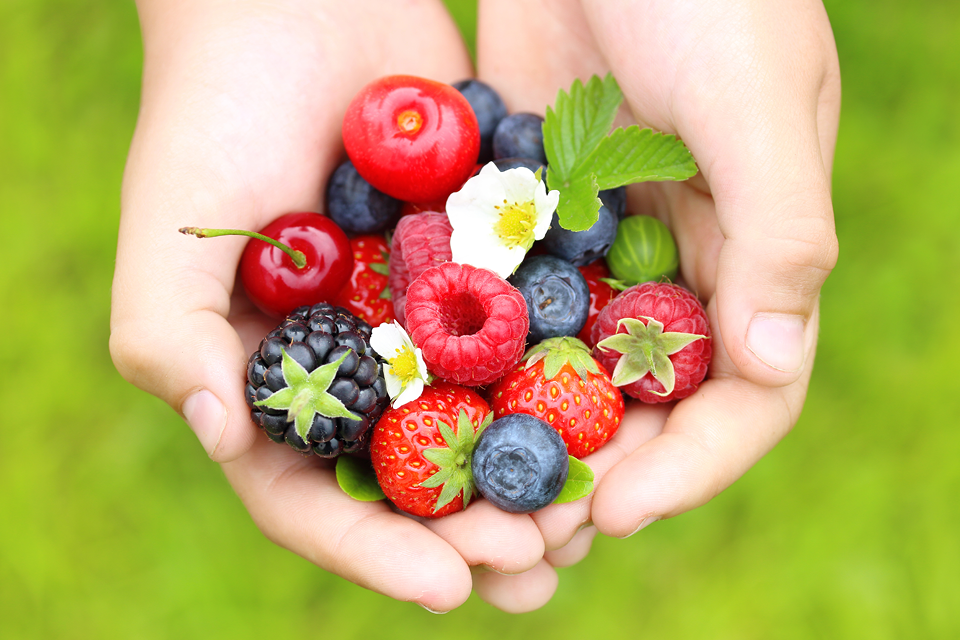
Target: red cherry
[[298, 259], [412, 138], [275, 284]]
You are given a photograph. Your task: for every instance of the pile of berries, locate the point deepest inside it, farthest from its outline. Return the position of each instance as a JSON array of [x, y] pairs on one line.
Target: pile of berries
[[495, 379]]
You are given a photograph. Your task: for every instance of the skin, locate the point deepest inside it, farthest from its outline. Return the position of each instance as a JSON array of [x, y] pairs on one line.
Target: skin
[[753, 88], [240, 118]]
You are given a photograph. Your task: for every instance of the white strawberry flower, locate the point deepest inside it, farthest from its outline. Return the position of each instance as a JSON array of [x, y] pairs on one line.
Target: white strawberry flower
[[496, 217], [404, 371]]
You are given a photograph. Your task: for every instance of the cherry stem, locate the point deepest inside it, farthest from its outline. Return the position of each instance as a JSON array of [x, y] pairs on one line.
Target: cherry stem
[[299, 260]]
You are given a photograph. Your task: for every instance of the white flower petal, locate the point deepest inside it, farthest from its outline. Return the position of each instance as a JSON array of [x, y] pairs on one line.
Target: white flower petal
[[411, 393], [389, 339], [394, 386], [421, 365], [518, 185]]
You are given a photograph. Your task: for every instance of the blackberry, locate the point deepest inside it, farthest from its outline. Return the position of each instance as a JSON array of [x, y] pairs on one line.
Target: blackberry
[[315, 383]]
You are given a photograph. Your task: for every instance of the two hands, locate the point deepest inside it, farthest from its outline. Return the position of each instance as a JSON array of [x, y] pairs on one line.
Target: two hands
[[240, 123]]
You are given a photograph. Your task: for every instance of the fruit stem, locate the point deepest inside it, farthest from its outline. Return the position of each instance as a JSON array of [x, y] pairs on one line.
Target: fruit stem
[[299, 259]]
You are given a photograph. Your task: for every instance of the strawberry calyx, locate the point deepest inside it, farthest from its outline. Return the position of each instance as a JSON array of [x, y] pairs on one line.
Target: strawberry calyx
[[306, 394], [454, 460], [556, 352], [646, 349]]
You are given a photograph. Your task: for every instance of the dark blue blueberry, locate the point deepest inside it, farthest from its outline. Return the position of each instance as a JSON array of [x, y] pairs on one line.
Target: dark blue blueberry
[[615, 200], [513, 163], [557, 297], [489, 109], [356, 206], [520, 136], [582, 247], [520, 463]]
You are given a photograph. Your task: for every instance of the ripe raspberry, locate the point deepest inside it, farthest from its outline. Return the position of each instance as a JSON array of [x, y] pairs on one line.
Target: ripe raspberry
[[420, 241], [655, 338], [470, 323], [315, 384]]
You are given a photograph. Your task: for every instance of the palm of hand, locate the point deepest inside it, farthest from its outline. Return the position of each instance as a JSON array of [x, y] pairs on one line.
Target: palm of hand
[[714, 78]]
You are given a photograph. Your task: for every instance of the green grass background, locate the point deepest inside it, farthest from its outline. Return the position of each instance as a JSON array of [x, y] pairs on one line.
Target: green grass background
[[113, 523]]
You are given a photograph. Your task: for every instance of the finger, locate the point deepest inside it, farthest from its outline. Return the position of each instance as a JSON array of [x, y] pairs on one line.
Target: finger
[[710, 439], [297, 504], [234, 135], [508, 543], [758, 142], [559, 523], [574, 551], [519, 593]]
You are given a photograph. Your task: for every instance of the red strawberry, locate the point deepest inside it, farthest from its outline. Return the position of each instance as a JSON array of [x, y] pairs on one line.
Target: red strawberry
[[655, 338], [420, 241], [421, 451], [470, 323], [601, 293], [561, 384], [366, 294]]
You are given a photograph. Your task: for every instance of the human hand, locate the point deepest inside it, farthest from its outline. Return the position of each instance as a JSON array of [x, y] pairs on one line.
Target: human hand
[[753, 89], [240, 122]]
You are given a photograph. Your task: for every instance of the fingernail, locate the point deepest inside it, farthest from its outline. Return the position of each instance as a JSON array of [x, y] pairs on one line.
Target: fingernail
[[777, 339], [643, 523], [438, 613], [588, 523], [207, 417]]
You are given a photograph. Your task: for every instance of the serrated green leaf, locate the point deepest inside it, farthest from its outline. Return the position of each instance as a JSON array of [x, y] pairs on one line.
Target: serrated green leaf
[[579, 206], [637, 155], [579, 482], [358, 480], [578, 121], [379, 267]]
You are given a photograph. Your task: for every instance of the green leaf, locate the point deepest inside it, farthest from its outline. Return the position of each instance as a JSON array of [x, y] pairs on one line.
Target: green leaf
[[582, 159], [579, 206], [379, 267], [358, 480], [637, 155], [579, 482], [578, 121]]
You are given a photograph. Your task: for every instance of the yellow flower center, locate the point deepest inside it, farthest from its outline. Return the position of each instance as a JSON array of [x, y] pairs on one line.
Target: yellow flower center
[[404, 366], [516, 223]]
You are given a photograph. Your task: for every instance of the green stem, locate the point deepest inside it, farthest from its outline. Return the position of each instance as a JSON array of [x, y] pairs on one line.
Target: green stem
[[298, 258]]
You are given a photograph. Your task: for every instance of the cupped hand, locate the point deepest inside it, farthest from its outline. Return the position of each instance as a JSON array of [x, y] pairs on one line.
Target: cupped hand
[[752, 87], [240, 123]]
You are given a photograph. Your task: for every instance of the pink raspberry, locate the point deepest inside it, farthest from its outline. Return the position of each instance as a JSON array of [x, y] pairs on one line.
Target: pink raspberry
[[470, 323], [420, 241], [654, 338]]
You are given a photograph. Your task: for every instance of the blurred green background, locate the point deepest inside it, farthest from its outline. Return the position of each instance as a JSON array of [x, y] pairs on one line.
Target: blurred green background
[[114, 524]]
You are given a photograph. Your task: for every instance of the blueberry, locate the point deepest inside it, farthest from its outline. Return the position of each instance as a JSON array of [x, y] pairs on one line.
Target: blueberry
[[520, 463], [615, 200], [582, 247], [520, 136], [356, 206], [514, 163], [489, 109], [557, 297]]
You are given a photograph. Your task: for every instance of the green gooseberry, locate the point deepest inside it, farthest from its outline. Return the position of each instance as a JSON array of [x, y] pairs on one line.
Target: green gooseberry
[[643, 250]]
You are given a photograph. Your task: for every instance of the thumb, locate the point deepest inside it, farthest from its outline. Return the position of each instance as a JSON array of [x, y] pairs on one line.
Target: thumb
[[779, 247], [169, 336]]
